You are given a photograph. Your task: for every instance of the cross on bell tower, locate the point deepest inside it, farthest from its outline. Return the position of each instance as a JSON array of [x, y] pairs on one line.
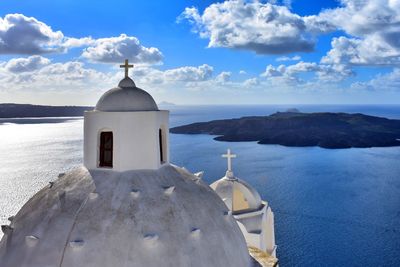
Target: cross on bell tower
[[229, 157], [127, 67]]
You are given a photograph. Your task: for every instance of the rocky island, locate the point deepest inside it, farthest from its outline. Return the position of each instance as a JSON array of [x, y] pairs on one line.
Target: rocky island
[[327, 130]]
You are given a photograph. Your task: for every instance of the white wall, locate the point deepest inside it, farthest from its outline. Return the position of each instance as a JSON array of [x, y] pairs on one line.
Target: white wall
[[269, 233], [135, 138], [259, 221]]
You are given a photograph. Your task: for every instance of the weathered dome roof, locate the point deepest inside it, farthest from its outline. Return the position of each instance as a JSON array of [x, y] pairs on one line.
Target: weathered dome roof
[[126, 97], [245, 197], [164, 217]]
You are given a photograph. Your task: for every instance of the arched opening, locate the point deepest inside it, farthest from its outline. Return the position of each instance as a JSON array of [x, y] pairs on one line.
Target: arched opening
[[106, 149], [161, 143]]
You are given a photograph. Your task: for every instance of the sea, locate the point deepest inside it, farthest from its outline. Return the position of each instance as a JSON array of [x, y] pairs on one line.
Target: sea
[[333, 207]]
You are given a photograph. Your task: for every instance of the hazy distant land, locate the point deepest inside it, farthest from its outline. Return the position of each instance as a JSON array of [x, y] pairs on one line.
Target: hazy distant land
[[166, 104], [327, 130], [10, 110]]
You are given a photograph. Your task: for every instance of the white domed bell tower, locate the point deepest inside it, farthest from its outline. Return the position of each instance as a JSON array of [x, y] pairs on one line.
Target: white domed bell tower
[[126, 130]]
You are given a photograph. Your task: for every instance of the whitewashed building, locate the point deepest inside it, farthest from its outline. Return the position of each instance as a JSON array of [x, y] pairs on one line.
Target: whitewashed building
[[253, 215], [127, 206]]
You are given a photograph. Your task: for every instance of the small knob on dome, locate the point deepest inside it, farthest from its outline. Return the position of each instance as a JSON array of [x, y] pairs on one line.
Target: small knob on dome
[[126, 83]]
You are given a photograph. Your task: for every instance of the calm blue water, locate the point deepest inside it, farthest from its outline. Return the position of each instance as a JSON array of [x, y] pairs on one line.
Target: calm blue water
[[332, 207]]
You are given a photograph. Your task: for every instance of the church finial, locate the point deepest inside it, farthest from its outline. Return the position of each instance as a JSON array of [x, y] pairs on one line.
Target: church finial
[[229, 157], [127, 67]]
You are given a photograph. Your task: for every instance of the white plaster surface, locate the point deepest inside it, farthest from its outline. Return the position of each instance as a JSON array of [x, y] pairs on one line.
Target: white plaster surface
[[257, 222], [126, 97], [225, 186], [135, 138], [258, 228], [185, 228]]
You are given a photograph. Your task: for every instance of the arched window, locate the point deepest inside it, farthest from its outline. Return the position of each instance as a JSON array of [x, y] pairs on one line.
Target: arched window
[[160, 141], [106, 149]]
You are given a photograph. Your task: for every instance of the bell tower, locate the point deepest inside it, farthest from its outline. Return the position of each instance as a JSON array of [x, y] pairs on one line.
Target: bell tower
[[126, 130]]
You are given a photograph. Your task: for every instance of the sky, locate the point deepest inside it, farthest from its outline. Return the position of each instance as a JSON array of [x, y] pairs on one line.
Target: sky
[[202, 52]]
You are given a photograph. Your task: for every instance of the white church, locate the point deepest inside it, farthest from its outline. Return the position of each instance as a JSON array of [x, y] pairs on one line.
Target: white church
[[129, 206]]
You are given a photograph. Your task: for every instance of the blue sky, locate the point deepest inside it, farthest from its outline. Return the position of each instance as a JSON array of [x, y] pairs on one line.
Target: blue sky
[[202, 52]]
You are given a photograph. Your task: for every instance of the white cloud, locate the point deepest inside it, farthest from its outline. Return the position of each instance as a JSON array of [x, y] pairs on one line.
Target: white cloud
[[242, 72], [251, 82], [318, 25], [374, 27], [20, 34], [272, 71], [223, 77], [117, 49], [26, 35], [190, 78], [365, 17], [70, 42], [69, 71], [369, 51], [260, 27], [184, 74], [39, 74], [290, 74], [285, 58], [334, 72], [189, 74], [74, 78], [29, 64], [388, 82]]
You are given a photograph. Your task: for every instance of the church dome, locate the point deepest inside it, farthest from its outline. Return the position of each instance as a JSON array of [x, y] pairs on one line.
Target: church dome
[[126, 97], [238, 195], [165, 217]]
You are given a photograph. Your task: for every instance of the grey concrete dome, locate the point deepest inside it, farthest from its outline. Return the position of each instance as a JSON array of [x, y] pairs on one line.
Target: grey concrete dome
[[126, 97], [165, 217]]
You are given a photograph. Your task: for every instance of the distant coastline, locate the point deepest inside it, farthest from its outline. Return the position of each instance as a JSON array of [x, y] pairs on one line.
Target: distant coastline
[[296, 129], [166, 104], [10, 110]]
